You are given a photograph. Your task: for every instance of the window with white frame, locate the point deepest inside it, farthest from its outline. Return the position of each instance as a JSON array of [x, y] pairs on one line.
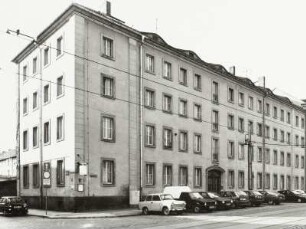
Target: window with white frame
[[108, 86], [108, 128], [59, 46], [288, 117], [275, 157], [197, 143], [259, 129], [34, 65], [259, 154], [241, 125], [288, 138], [297, 119], [197, 112], [108, 172], [25, 72], [150, 63], [241, 98], [282, 117], [183, 107], [25, 106], [197, 82], [149, 98], [215, 120], [183, 76], [282, 136], [267, 110], [167, 70], [150, 135], [241, 179], [215, 92], [35, 100], [267, 154], [215, 150], [167, 175], [251, 103], [25, 138], [150, 174], [46, 56], [231, 149], [197, 177], [47, 129], [275, 134], [35, 137], [59, 86], [250, 127], [259, 106], [275, 112], [241, 151], [183, 141], [275, 182], [167, 136], [267, 132], [167, 103], [108, 47], [60, 128], [183, 175], [282, 158], [231, 95], [47, 93], [230, 121]]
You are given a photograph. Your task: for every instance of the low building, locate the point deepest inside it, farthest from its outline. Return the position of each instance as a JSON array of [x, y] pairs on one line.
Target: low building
[[8, 173]]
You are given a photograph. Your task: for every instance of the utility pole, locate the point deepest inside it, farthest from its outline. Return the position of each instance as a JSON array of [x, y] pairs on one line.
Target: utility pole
[[264, 136], [248, 142]]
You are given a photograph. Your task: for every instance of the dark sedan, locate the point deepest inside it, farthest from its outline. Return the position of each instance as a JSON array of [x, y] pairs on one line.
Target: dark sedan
[[222, 202], [13, 205], [256, 199], [271, 197], [240, 198], [294, 196]]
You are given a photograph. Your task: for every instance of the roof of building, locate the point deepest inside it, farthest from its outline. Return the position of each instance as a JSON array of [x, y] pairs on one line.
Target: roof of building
[[152, 38]]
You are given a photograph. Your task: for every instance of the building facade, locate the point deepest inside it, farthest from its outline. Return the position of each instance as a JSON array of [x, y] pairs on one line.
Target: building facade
[[111, 112], [8, 173]]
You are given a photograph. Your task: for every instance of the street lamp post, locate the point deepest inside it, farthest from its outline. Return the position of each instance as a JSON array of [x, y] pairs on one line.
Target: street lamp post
[[248, 142]]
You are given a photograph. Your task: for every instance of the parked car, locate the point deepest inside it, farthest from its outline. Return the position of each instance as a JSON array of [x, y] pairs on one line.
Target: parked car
[[256, 198], [271, 197], [240, 198], [222, 202], [194, 201], [295, 195], [13, 205], [160, 202]]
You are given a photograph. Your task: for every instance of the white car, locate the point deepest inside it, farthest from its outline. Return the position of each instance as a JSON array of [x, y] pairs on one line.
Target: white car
[[160, 202]]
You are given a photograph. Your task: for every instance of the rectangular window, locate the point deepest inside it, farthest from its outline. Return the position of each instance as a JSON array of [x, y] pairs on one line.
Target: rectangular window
[[259, 106], [288, 117], [108, 128], [267, 132], [259, 129], [46, 56], [302, 142], [35, 136], [241, 99], [267, 154], [197, 177], [241, 179], [167, 103], [34, 63], [215, 121], [275, 158], [215, 150], [150, 173], [230, 122], [288, 160], [60, 128], [59, 46], [251, 103], [35, 100], [47, 132], [183, 76], [197, 112], [60, 173], [250, 127], [267, 181], [46, 93], [108, 47], [25, 140], [282, 182], [302, 183], [275, 112], [25, 176], [267, 111], [35, 176], [150, 63], [149, 98], [231, 149], [297, 161], [167, 175], [231, 95], [297, 138], [183, 141], [302, 162], [259, 180], [231, 179], [274, 134], [302, 123], [59, 86], [297, 119], [282, 137], [288, 182], [296, 183], [259, 156], [108, 172], [25, 106], [167, 70], [241, 151], [215, 92], [150, 135], [167, 136], [275, 182], [241, 125], [282, 118], [183, 107], [288, 138], [282, 159], [197, 82], [183, 175], [108, 87], [25, 72], [197, 145]]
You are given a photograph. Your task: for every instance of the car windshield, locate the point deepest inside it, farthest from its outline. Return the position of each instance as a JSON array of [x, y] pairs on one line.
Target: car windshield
[[195, 195], [166, 197], [257, 193], [240, 193], [212, 195], [297, 192], [272, 193]]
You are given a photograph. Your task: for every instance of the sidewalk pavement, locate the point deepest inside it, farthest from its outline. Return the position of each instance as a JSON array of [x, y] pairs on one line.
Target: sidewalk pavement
[[84, 215]]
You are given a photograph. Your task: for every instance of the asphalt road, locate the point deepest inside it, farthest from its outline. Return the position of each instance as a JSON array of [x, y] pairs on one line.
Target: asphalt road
[[287, 215]]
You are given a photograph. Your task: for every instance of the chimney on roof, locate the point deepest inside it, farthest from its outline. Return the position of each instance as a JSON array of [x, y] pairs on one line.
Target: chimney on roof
[[232, 70], [108, 8]]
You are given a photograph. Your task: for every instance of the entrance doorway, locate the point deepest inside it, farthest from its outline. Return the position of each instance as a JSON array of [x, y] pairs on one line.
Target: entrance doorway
[[214, 181]]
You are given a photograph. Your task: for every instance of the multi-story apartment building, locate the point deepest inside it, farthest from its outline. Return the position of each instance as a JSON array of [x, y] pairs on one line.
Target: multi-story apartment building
[[111, 111]]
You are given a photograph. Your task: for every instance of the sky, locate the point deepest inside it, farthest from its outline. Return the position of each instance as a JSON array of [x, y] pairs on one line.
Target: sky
[[259, 37]]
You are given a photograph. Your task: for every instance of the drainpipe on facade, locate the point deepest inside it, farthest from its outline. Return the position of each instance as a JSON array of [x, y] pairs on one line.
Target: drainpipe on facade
[[264, 137], [18, 133], [141, 114]]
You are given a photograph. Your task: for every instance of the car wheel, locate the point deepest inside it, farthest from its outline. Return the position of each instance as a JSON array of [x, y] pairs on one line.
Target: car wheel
[[196, 209], [166, 211], [299, 200], [145, 211]]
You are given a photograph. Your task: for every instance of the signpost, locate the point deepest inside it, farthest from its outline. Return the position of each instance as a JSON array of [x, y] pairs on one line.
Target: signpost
[[47, 182]]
